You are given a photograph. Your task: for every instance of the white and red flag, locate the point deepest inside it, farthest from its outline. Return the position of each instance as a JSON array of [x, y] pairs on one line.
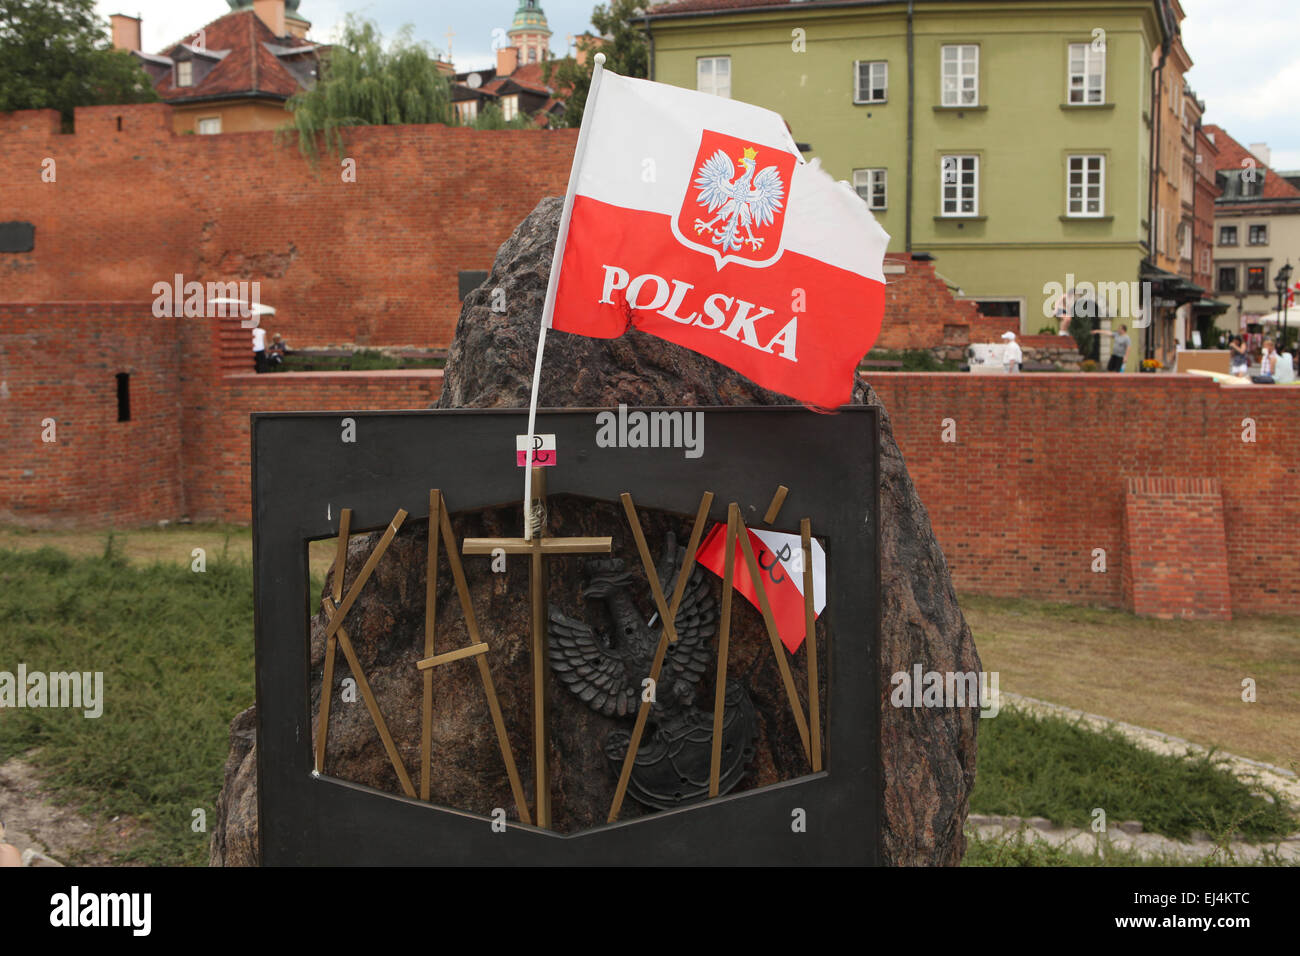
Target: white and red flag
[[780, 560], [694, 218]]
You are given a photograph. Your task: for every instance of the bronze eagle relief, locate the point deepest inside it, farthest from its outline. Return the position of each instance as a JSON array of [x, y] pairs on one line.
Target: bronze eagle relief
[[607, 666]]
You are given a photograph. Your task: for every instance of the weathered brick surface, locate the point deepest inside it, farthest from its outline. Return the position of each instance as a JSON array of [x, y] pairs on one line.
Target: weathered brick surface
[[185, 450], [368, 262], [1038, 476], [1176, 560]]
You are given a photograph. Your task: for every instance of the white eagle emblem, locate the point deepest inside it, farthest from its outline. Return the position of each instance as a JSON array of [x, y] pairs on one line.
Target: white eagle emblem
[[751, 201]]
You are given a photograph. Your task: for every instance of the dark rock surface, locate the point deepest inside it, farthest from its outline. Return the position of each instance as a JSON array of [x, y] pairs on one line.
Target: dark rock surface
[[928, 754]]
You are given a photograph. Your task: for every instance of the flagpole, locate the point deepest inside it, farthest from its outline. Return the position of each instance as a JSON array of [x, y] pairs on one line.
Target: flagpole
[[548, 310]]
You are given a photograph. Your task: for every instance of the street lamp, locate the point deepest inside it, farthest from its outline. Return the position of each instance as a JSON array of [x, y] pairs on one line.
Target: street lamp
[[1285, 275], [1283, 283]]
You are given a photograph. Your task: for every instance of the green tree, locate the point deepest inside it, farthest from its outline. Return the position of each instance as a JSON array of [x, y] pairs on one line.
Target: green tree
[[626, 49], [491, 116], [56, 54], [364, 84]]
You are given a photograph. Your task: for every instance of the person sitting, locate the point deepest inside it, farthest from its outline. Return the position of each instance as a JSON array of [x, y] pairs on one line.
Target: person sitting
[[1267, 365], [276, 353], [1285, 373]]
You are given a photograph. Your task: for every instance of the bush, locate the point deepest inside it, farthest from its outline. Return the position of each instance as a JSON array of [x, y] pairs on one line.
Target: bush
[[1088, 365]]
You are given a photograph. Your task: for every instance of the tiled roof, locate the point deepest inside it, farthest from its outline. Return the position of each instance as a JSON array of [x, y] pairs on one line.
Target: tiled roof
[[1231, 156], [722, 6], [246, 65]]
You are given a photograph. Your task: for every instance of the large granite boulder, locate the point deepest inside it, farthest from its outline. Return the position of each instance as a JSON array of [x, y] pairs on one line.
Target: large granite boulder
[[928, 754]]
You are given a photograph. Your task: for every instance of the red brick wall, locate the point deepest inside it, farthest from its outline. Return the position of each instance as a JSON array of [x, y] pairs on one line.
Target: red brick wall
[[918, 305], [368, 262], [1176, 563], [217, 475], [1037, 477], [60, 360], [185, 450]]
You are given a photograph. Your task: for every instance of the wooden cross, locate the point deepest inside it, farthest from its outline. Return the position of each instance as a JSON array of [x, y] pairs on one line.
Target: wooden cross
[[538, 547]]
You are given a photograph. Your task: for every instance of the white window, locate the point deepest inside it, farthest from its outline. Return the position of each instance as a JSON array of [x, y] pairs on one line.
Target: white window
[[510, 106], [713, 75], [1086, 186], [871, 81], [209, 126], [185, 73], [870, 184], [960, 178], [961, 85], [468, 111], [1087, 83]]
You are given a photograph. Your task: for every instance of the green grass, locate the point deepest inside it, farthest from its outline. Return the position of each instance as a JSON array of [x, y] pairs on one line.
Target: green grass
[[1032, 766], [363, 360], [914, 360], [176, 651]]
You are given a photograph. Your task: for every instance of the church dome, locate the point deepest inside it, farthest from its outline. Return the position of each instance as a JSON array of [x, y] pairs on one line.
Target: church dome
[[529, 18], [290, 6]]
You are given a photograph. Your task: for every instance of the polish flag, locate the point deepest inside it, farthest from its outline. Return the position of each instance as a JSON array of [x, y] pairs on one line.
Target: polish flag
[[780, 561], [694, 218]]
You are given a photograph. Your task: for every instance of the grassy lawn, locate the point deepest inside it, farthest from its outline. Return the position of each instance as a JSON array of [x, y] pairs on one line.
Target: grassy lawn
[[1180, 677], [176, 652], [1032, 766], [174, 544]]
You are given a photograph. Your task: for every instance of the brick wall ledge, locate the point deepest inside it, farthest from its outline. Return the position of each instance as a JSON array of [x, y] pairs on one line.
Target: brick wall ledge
[[244, 378], [1159, 380]]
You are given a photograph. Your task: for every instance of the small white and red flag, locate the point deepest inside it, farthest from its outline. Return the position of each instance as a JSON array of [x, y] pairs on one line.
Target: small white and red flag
[[780, 560], [694, 218]]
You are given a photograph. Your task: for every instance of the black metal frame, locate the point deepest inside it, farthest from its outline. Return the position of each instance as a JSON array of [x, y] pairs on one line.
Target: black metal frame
[[301, 467]]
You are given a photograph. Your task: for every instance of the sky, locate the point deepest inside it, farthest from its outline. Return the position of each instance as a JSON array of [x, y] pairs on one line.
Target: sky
[[1247, 60]]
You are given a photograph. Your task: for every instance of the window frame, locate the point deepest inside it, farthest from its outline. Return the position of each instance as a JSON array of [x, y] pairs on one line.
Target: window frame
[[958, 199], [872, 180], [1218, 277], [1222, 230], [713, 61], [1084, 199], [960, 61], [1089, 54], [198, 126], [1250, 234], [1263, 284], [857, 81], [510, 106], [188, 80]]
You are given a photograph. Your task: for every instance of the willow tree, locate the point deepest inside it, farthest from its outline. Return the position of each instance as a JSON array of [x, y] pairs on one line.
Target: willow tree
[[364, 84]]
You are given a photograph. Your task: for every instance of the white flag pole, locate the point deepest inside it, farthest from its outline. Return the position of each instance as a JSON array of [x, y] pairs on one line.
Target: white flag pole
[[548, 310]]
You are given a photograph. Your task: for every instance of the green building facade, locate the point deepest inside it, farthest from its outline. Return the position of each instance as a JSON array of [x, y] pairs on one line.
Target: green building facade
[[1025, 125]]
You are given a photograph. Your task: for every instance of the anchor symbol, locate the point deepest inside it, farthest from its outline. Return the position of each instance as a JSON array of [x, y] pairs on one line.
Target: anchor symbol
[[783, 555]]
